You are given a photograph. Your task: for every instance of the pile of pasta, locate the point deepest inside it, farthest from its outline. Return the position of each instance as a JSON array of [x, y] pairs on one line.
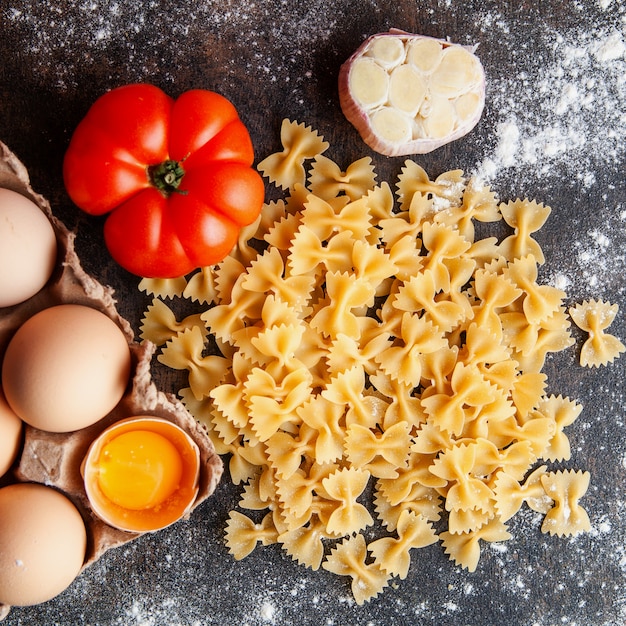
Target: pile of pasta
[[378, 369]]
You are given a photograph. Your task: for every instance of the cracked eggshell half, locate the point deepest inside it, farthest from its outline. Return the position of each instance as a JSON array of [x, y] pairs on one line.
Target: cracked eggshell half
[[411, 94], [141, 474]]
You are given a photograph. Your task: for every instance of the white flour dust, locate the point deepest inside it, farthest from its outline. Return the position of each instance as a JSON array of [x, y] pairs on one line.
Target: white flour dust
[[564, 112], [63, 43]]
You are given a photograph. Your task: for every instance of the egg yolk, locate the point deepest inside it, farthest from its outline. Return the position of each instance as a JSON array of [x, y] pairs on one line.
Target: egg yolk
[[139, 469]]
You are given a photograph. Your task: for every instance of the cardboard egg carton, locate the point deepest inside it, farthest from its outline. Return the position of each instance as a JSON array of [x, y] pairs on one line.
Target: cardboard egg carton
[[54, 459]]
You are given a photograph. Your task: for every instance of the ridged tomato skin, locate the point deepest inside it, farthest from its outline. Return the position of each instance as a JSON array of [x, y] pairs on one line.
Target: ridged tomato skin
[[175, 177]]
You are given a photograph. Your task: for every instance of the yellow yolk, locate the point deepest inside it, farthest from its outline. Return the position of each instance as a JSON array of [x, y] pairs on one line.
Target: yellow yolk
[[139, 469]]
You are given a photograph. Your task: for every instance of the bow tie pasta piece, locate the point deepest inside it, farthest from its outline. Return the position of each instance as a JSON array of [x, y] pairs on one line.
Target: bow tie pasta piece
[[494, 291], [201, 286], [510, 494], [302, 495], [445, 191], [526, 217], [163, 287], [566, 517], [266, 274], [348, 389], [349, 558], [242, 534], [482, 347], [308, 252], [285, 451], [527, 391], [594, 317], [418, 294], [326, 418], [478, 203], [272, 405], [561, 412], [306, 544], [393, 555], [468, 389], [346, 293], [403, 406], [345, 486], [464, 548], [327, 181], [325, 218], [159, 323], [277, 345], [226, 318], [381, 454], [185, 352], [540, 301], [410, 94], [402, 360], [300, 143], [465, 489]]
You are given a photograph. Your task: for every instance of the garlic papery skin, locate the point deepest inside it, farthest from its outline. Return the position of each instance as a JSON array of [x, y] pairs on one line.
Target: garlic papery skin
[[411, 94]]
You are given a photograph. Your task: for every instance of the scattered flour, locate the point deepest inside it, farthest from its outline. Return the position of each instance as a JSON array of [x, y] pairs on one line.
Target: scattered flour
[[65, 42], [563, 111]]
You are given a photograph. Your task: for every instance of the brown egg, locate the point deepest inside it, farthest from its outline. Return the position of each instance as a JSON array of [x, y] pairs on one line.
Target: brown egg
[[65, 368], [28, 248], [42, 543], [11, 427]]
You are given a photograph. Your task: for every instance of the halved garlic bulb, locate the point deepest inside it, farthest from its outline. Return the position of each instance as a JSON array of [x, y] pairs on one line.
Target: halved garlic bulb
[[410, 94]]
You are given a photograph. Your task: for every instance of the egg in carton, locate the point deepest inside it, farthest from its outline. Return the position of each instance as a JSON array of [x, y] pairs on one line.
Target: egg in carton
[[57, 459]]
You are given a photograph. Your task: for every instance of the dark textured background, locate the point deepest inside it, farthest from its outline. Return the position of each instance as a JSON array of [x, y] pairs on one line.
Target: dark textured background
[[281, 59]]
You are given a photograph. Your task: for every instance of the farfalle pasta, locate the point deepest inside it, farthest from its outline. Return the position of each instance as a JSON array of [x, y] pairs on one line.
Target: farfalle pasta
[[345, 486], [201, 287], [539, 302], [478, 203], [326, 180], [468, 391], [567, 516], [393, 555], [300, 143], [510, 494], [244, 534], [380, 453], [402, 359], [464, 548], [559, 412], [361, 344], [526, 217], [350, 558], [159, 323], [306, 543], [163, 287], [446, 190], [594, 317], [185, 351]]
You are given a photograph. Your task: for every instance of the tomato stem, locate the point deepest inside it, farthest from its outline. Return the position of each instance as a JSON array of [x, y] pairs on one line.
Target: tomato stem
[[167, 176]]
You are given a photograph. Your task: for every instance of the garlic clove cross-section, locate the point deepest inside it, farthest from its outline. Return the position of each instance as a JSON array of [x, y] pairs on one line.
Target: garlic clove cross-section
[[410, 94]]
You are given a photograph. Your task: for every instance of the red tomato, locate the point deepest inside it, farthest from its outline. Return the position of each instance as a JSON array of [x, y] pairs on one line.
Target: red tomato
[[174, 176]]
